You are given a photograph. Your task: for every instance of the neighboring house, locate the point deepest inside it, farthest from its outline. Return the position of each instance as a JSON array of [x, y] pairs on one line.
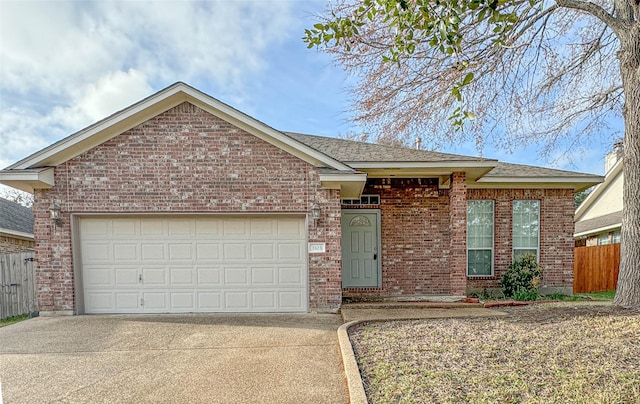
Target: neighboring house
[[599, 216], [16, 227], [181, 203]]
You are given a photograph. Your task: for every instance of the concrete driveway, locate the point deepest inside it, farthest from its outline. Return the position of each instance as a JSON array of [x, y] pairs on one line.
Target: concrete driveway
[[173, 358]]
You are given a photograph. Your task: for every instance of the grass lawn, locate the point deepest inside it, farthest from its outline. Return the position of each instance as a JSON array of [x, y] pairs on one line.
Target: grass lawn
[[12, 320], [553, 353]]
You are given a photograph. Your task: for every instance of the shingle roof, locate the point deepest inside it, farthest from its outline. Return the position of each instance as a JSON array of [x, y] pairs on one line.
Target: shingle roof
[[352, 151], [15, 217], [610, 219], [520, 170]]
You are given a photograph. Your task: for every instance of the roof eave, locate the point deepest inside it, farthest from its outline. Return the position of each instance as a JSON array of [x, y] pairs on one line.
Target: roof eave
[[412, 169], [577, 183], [17, 234], [350, 185], [28, 180], [590, 232]]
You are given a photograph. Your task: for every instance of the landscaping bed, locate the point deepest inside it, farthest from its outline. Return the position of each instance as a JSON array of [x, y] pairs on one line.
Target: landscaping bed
[[565, 352]]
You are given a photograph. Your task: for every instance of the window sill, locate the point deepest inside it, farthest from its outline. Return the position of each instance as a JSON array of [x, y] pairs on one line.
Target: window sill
[[482, 277]]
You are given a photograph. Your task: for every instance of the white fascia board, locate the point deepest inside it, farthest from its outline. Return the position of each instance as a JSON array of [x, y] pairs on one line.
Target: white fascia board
[[598, 190], [28, 180], [450, 165], [598, 230], [156, 104], [16, 234]]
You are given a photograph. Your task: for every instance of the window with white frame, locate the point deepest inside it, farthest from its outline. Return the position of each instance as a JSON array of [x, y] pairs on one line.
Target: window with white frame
[[526, 228], [604, 239], [480, 226]]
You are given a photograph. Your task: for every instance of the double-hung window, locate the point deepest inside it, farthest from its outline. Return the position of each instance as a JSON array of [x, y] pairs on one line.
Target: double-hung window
[[480, 238], [526, 228]]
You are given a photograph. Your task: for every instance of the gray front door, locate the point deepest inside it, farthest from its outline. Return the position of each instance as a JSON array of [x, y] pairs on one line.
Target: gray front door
[[360, 248]]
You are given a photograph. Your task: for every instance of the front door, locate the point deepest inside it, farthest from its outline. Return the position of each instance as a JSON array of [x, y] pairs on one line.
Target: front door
[[360, 248]]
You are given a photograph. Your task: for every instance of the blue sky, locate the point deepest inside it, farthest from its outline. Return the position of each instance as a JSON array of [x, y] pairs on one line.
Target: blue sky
[[66, 64]]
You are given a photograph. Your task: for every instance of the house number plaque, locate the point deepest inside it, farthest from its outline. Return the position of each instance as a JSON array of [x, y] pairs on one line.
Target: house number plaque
[[317, 248]]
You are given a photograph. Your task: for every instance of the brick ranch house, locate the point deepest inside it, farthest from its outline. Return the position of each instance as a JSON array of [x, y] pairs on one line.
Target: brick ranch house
[[181, 203]]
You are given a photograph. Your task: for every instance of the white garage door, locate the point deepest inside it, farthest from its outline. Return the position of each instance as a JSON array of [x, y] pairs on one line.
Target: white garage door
[[193, 264]]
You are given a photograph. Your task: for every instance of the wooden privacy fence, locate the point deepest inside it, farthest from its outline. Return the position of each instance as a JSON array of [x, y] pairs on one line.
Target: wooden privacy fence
[[595, 269], [17, 284]]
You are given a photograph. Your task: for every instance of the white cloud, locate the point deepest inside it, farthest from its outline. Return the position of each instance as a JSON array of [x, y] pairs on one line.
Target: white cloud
[[67, 64]]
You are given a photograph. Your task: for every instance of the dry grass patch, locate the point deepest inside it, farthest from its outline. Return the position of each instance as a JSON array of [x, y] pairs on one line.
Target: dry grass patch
[[538, 354]]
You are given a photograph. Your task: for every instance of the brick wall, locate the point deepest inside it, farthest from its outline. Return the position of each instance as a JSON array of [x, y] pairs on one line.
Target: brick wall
[[416, 238], [556, 234], [184, 160], [10, 244]]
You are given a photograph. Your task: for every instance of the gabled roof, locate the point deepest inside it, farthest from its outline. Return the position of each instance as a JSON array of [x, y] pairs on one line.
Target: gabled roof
[[345, 164], [15, 219]]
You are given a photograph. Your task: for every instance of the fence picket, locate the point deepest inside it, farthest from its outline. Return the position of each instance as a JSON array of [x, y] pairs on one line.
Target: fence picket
[[595, 268], [17, 284]]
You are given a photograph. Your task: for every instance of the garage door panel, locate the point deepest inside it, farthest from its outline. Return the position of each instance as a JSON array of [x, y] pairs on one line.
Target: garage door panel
[[291, 276], [154, 276], [263, 276], [183, 301], [94, 252], [209, 301], [125, 252], [236, 300], [290, 251], [193, 264], [207, 251], [127, 276], [180, 228], [152, 252], [291, 228], [235, 276], [98, 276], [235, 228], [262, 252], [264, 300], [235, 251], [124, 228], [291, 300], [209, 276], [182, 276], [127, 301], [209, 227], [180, 252], [156, 301]]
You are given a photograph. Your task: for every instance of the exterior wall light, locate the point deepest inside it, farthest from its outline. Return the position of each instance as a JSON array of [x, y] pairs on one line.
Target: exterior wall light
[[315, 212], [54, 211]]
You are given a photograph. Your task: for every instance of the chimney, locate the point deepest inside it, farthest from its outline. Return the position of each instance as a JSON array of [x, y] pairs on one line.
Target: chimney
[[418, 143], [614, 156]]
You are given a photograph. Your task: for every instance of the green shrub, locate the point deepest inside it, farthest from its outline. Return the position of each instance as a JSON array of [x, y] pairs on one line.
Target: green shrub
[[522, 279]]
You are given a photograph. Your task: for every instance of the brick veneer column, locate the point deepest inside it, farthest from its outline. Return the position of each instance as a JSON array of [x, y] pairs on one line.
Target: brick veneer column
[[458, 213]]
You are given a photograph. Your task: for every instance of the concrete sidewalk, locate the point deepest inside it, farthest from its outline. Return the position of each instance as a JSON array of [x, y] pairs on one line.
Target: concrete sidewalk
[[173, 358]]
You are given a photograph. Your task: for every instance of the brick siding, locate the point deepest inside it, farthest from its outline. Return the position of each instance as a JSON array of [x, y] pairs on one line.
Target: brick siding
[[10, 244], [556, 234], [184, 160]]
